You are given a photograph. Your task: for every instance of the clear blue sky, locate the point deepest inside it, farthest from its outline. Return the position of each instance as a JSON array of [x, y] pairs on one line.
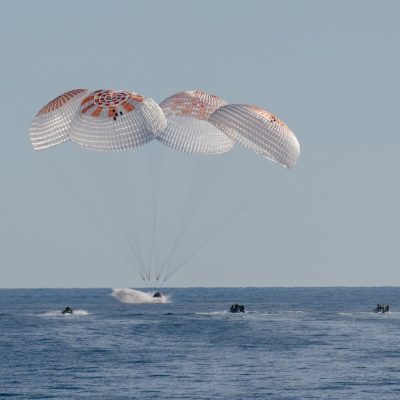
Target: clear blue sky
[[330, 70]]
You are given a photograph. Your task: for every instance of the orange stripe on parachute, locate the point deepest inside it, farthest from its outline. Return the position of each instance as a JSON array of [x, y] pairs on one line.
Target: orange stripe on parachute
[[128, 106], [97, 112], [267, 115], [87, 99], [87, 108], [112, 111], [137, 97]]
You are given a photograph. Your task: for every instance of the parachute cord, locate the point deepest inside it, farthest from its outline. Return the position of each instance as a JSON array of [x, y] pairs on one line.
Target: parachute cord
[[190, 213], [153, 234], [156, 160], [134, 222], [95, 221], [111, 212], [183, 224], [227, 223]]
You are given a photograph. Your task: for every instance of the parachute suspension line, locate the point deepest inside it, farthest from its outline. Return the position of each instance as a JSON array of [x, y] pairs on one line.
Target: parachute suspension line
[[115, 219], [191, 206], [132, 203], [182, 223], [159, 172], [223, 226], [152, 236], [156, 160], [89, 213], [185, 215]]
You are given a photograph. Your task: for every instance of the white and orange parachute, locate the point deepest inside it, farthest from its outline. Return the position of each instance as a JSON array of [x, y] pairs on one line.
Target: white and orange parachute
[[188, 128], [189, 121], [259, 131], [104, 120]]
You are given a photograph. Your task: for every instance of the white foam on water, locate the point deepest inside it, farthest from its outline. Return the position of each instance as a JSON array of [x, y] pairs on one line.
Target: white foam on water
[[284, 313], [133, 296], [58, 313], [369, 314], [212, 313], [81, 313]]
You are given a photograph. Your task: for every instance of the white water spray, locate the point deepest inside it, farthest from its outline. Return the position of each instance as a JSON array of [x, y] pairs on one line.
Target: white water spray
[[133, 296]]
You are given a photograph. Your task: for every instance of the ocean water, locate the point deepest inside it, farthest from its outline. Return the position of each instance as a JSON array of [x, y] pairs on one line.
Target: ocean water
[[293, 343]]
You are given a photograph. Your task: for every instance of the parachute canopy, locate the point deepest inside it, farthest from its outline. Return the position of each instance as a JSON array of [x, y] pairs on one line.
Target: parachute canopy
[[105, 120], [52, 123], [188, 129], [116, 120], [259, 131]]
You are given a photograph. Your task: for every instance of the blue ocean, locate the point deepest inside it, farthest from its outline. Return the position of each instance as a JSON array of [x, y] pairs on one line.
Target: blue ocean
[[292, 343]]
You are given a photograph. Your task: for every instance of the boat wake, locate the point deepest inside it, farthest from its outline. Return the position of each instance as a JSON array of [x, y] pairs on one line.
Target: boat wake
[[133, 296], [58, 313], [212, 313], [369, 314]]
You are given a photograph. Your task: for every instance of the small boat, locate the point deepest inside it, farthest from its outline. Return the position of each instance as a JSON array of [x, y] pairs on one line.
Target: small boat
[[157, 294], [67, 311], [382, 308], [237, 308]]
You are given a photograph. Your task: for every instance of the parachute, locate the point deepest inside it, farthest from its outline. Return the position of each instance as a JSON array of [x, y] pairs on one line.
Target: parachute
[[188, 129], [259, 131], [116, 120], [52, 123], [192, 122]]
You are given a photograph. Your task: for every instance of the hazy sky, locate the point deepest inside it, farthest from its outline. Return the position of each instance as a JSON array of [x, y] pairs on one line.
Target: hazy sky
[[330, 70]]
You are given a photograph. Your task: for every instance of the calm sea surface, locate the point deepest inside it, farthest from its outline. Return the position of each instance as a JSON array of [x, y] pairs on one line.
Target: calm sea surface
[[297, 343]]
